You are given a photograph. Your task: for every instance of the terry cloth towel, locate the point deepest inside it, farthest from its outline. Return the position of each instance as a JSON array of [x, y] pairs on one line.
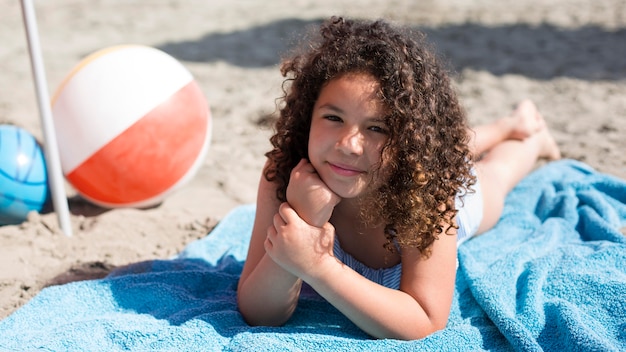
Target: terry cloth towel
[[550, 276]]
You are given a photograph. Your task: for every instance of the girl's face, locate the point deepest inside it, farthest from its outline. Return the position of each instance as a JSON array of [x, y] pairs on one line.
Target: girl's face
[[348, 134]]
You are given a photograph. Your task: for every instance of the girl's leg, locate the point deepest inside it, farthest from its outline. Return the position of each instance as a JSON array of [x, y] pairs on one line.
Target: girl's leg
[[505, 164], [523, 122]]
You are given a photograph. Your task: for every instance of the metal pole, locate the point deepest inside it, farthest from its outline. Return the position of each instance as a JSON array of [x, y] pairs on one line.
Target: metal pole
[[51, 152]]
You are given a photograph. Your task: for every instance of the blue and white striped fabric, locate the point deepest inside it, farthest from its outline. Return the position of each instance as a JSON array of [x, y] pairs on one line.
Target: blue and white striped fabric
[[388, 277]]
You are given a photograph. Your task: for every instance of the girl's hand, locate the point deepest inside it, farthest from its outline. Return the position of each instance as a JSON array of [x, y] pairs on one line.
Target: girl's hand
[[309, 195], [296, 246]]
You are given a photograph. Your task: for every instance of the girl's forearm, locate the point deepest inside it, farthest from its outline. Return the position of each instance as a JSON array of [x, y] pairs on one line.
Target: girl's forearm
[[269, 295], [379, 311]]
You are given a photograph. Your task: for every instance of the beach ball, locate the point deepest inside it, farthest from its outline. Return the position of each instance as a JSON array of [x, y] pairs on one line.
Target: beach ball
[[23, 175], [132, 126]]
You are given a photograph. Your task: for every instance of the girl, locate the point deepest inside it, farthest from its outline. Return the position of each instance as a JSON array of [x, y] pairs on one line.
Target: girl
[[373, 180]]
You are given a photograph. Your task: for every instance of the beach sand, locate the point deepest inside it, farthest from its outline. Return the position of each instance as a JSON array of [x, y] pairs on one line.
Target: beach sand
[[567, 56]]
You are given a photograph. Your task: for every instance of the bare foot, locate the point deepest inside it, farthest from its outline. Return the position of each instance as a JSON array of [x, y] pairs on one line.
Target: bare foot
[[549, 149], [525, 120]]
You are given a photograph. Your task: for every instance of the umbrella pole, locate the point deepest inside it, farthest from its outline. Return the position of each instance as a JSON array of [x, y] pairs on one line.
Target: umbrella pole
[[51, 152]]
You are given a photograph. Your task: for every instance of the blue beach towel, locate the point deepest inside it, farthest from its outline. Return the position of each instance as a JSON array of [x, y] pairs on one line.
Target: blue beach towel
[[550, 276]]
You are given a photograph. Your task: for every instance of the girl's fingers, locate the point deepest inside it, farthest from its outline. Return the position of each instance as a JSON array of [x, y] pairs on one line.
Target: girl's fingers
[[301, 164], [267, 244], [279, 219], [305, 165], [309, 167], [286, 212]]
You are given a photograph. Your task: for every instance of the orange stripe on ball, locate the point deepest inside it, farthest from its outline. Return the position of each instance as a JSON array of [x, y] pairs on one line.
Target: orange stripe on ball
[[149, 157]]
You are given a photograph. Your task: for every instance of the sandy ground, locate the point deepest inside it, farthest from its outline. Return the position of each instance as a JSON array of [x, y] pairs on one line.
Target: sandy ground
[[566, 55]]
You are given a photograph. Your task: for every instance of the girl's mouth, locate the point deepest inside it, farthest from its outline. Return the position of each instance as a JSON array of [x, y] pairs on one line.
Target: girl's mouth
[[344, 170]]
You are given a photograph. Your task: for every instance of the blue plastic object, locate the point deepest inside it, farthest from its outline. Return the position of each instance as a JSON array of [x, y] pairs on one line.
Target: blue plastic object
[[23, 175]]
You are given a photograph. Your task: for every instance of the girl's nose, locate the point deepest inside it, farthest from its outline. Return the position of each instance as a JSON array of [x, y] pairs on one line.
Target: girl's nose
[[351, 142]]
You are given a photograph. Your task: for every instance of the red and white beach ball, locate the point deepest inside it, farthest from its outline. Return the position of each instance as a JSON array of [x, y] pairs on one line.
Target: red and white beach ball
[[132, 126]]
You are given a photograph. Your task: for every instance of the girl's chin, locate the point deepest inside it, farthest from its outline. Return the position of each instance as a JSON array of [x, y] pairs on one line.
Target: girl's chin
[[344, 193], [345, 190]]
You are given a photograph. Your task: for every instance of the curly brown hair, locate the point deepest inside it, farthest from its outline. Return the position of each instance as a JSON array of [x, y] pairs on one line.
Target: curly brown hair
[[426, 158]]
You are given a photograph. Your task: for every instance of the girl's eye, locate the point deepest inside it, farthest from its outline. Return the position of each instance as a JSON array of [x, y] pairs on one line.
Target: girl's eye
[[332, 118], [378, 129]]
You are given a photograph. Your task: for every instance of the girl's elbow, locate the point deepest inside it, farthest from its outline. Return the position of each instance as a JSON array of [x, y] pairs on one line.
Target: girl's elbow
[[254, 314], [423, 331], [253, 320], [432, 328], [438, 326], [260, 320]]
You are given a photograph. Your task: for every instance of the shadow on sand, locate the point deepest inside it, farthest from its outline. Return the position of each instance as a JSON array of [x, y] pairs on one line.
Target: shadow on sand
[[540, 52]]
